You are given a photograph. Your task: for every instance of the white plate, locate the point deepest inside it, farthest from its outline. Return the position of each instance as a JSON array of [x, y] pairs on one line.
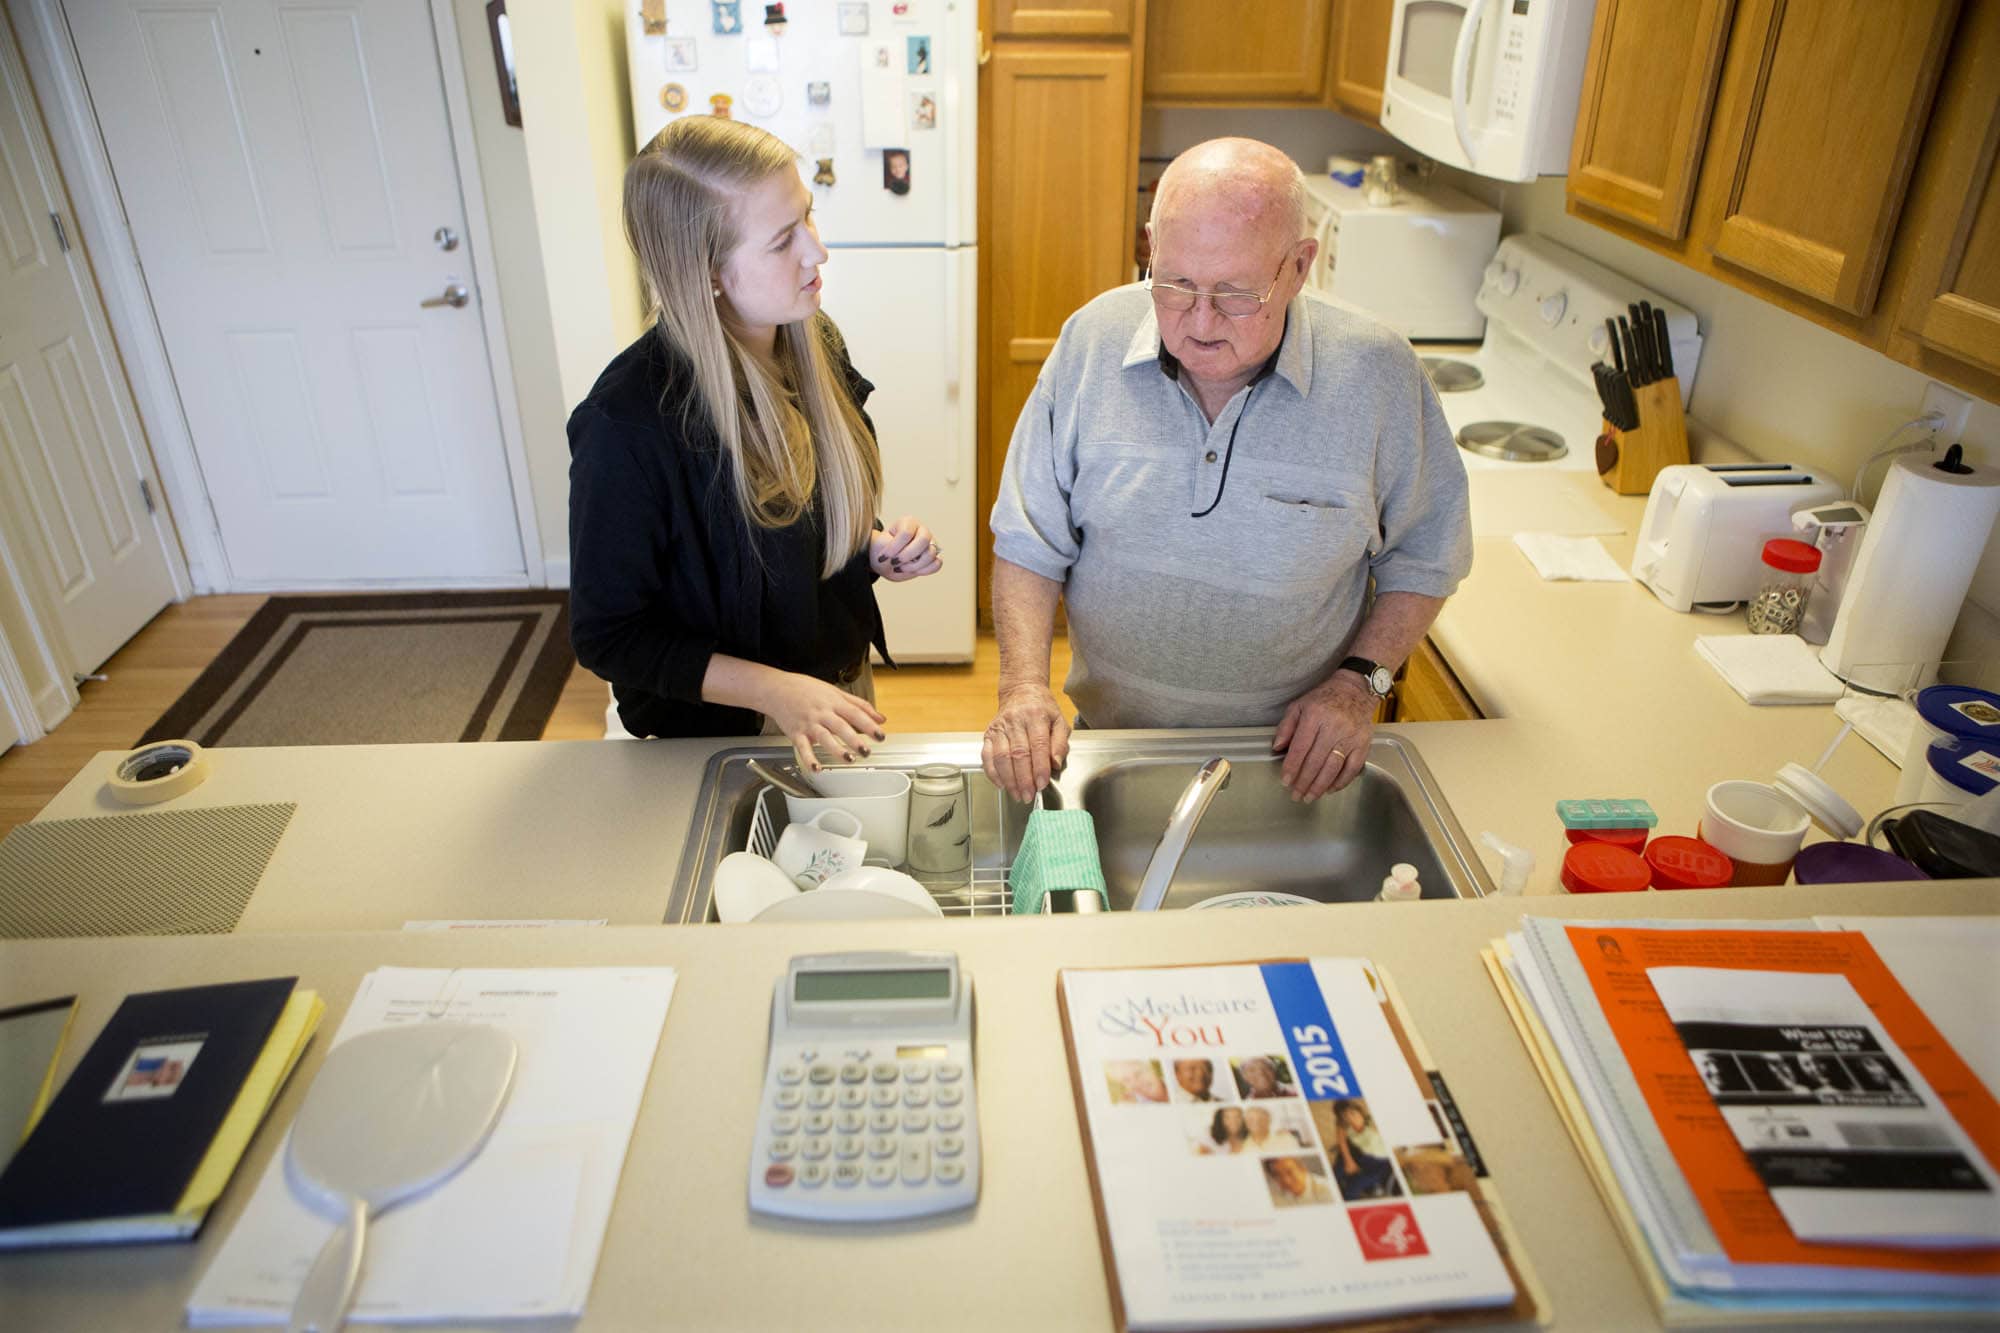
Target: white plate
[[745, 884], [844, 905], [883, 880]]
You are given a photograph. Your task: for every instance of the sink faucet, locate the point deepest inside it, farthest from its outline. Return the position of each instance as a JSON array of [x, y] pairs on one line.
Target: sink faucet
[[1193, 804]]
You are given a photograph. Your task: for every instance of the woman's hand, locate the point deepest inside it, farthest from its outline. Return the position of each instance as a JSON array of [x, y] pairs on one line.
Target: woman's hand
[[905, 550], [812, 712]]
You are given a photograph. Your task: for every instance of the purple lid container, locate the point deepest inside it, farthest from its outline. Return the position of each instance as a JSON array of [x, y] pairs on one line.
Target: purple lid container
[[1851, 863]]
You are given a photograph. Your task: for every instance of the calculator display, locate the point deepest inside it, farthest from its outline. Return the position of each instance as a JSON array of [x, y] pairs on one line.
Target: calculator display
[[822, 987]]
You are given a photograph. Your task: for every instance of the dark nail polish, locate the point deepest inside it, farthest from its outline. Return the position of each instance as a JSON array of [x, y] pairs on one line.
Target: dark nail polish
[[881, 736]]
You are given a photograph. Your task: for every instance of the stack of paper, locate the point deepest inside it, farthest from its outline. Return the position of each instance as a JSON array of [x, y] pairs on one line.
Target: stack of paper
[[517, 1232], [1777, 1128]]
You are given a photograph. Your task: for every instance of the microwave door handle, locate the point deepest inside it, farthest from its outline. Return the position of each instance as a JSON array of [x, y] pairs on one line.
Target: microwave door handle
[[1461, 81]]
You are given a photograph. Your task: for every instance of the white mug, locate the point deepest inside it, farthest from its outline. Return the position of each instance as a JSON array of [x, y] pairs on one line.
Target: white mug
[[812, 853], [878, 797]]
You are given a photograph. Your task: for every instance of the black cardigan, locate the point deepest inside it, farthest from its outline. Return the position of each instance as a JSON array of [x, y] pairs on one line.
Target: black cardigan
[[662, 571]]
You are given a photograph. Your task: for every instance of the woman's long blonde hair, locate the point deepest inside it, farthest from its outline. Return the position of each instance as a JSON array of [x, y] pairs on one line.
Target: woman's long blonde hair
[[786, 434]]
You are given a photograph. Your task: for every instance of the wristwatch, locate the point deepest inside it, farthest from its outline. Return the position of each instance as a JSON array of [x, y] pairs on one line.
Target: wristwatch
[[1380, 679]]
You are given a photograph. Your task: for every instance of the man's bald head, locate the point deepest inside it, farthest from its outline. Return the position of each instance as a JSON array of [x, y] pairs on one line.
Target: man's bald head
[[1247, 180]]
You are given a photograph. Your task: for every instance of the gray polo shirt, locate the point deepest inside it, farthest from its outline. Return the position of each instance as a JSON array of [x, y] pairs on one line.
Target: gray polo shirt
[[1342, 469]]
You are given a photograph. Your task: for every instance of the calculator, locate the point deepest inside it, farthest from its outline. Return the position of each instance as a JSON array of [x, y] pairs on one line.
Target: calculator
[[868, 1112]]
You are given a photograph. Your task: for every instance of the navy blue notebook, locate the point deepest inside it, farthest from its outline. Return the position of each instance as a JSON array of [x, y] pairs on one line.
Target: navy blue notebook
[[126, 1133]]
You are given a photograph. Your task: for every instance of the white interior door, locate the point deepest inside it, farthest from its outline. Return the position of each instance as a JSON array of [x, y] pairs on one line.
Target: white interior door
[[286, 168], [72, 460]]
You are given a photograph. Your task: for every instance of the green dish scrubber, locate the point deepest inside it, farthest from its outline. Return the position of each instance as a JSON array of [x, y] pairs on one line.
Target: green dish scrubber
[[1058, 851]]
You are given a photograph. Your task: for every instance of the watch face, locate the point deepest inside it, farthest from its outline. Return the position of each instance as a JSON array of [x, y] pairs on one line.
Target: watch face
[[1380, 681]]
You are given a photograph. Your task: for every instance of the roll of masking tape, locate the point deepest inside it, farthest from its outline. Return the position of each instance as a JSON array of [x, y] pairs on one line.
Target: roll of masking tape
[[159, 772]]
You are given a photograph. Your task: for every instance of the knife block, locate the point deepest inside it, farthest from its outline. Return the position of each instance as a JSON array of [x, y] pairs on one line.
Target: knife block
[[1636, 456]]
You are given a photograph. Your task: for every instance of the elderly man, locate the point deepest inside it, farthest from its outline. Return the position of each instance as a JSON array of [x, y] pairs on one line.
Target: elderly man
[[1211, 470]]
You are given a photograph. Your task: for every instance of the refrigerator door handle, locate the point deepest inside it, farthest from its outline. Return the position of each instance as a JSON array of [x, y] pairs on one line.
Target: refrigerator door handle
[[952, 98], [952, 377]]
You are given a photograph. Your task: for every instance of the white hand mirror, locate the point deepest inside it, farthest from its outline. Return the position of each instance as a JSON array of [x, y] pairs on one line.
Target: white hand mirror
[[391, 1114]]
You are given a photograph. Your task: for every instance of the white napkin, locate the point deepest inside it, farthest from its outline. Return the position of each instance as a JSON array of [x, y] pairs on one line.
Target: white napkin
[[1770, 668], [1569, 559], [1886, 724]]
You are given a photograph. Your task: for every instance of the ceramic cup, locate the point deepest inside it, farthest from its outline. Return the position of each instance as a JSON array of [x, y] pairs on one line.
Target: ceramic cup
[[1753, 825], [812, 852], [878, 797]]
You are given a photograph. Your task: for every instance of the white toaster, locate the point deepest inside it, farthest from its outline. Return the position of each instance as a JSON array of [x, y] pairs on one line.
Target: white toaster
[[1702, 541]]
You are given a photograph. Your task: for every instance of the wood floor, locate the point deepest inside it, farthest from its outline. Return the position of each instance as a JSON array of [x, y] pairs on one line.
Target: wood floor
[[145, 677]]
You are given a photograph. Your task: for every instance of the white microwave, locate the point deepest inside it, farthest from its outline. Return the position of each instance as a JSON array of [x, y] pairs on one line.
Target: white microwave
[[1489, 86]]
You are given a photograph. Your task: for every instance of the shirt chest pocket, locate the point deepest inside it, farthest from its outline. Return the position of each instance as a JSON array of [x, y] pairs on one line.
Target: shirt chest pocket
[[1314, 540]]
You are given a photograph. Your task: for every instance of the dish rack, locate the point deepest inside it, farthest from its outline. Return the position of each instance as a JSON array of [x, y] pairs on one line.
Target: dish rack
[[974, 892]]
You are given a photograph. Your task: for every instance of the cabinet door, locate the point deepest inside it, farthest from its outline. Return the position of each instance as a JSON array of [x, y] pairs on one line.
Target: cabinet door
[[1063, 18], [1227, 51], [1648, 90], [1820, 140], [1430, 690], [1952, 303], [1361, 56], [1056, 225]]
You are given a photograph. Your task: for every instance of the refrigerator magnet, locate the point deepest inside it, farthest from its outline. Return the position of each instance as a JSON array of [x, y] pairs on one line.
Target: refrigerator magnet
[[673, 98], [919, 54], [774, 20], [923, 111], [762, 95], [819, 92], [727, 17], [653, 15], [853, 18], [680, 55], [719, 104], [760, 55], [896, 170], [902, 11], [881, 57], [820, 139], [824, 175]]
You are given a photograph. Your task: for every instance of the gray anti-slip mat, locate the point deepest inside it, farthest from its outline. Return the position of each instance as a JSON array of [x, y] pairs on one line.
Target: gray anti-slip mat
[[161, 872]]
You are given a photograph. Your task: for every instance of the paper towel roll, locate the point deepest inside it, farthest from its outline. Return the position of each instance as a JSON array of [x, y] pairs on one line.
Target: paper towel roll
[[1917, 559]]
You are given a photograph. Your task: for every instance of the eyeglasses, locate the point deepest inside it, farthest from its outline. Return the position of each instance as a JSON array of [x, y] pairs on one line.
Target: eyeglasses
[[1232, 305]]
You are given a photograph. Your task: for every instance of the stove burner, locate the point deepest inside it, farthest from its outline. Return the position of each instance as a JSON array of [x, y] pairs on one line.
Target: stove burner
[[1512, 441], [1449, 376]]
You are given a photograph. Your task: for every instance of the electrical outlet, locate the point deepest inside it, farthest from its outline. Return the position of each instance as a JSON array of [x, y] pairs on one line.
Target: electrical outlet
[[1954, 406]]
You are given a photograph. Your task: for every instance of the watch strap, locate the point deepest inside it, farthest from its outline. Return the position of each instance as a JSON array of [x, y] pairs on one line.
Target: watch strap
[[1366, 669]]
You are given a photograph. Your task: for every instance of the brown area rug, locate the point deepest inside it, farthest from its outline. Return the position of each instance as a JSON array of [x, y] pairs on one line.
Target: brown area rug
[[380, 668]]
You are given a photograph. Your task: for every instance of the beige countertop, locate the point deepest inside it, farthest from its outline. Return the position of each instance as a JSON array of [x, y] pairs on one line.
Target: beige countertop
[[684, 1252]]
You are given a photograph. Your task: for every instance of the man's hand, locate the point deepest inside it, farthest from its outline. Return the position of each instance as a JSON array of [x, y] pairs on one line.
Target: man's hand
[[906, 550], [1027, 743], [1324, 736]]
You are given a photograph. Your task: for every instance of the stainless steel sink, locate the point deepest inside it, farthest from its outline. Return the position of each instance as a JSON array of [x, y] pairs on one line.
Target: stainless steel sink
[[1254, 836]]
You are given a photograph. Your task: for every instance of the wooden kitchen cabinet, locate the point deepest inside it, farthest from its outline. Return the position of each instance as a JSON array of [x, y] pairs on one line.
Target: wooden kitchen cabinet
[[1429, 690], [1206, 51], [1648, 88], [1359, 61], [1062, 18]]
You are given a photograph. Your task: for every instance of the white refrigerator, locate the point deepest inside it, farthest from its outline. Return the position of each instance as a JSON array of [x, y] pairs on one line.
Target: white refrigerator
[[879, 99]]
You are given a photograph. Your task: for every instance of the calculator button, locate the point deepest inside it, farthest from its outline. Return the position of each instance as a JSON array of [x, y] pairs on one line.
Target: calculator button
[[815, 1148], [818, 1122], [791, 1073], [847, 1174], [916, 1162], [812, 1174], [882, 1122], [785, 1122], [916, 1096], [881, 1173], [950, 1096], [851, 1072], [916, 1071], [884, 1096], [823, 1073], [950, 1145], [788, 1099], [820, 1097], [783, 1146], [916, 1122], [850, 1122], [847, 1145], [778, 1175], [882, 1145], [853, 1096], [950, 1121], [950, 1173], [950, 1072], [885, 1071]]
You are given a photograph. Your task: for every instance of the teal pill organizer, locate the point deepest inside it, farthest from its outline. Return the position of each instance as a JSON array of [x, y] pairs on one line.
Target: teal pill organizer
[[1606, 814]]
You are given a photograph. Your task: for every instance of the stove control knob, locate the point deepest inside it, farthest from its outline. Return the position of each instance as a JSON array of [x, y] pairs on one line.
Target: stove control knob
[[1599, 341], [1493, 272], [1510, 281], [1553, 307]]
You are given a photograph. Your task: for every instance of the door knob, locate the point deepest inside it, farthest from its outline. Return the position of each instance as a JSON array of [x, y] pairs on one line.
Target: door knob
[[455, 295], [445, 238]]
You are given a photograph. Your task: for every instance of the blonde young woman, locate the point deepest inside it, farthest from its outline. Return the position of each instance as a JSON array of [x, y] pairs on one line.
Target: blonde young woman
[[723, 477]]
